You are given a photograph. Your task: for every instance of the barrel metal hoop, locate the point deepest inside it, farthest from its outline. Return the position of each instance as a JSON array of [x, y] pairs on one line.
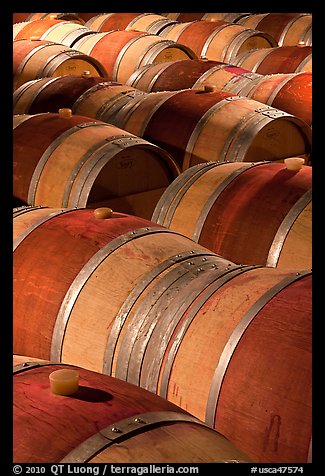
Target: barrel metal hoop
[[46, 155], [92, 168], [208, 288], [234, 339], [128, 304], [23, 63], [147, 315], [210, 38], [73, 36], [81, 279], [137, 75], [17, 211], [46, 82], [121, 54], [241, 58], [215, 195], [300, 67], [124, 429], [139, 17], [284, 228], [35, 225], [108, 111], [206, 74], [89, 92], [75, 171], [19, 368], [51, 28]]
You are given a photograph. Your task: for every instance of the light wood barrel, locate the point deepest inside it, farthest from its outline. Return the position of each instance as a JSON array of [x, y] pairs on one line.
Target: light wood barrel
[[146, 22], [288, 29], [190, 16], [34, 59], [281, 59], [122, 52], [78, 161], [141, 427], [158, 330], [219, 40], [66, 33], [72, 17], [35, 28], [220, 126], [249, 213]]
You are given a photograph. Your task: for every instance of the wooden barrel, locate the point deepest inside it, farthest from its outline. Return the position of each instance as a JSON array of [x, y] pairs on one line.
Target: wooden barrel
[[66, 33], [289, 92], [219, 40], [288, 29], [186, 325], [19, 17], [182, 74], [122, 52], [34, 59], [72, 17], [146, 22], [249, 213], [201, 126], [36, 28], [84, 94], [106, 420], [114, 257], [77, 161], [51, 94], [190, 16], [281, 59]]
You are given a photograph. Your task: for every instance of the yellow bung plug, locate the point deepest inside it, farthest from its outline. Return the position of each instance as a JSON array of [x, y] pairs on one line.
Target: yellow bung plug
[[64, 381], [103, 212]]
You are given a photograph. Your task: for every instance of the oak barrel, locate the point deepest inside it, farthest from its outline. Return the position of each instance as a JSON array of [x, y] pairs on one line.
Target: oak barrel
[[249, 213], [218, 40], [190, 16], [201, 126], [77, 161], [34, 59], [86, 95], [106, 420], [186, 324], [281, 59], [35, 28], [289, 29], [147, 22], [121, 52]]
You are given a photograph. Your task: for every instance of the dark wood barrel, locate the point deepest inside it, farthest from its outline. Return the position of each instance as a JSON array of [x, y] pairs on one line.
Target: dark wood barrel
[[218, 40], [249, 213], [201, 126], [36, 58], [175, 75], [289, 29], [77, 161], [86, 95], [111, 256], [186, 324], [281, 59], [106, 420], [122, 52]]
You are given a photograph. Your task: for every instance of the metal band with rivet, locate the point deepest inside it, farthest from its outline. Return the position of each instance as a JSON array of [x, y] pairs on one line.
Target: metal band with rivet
[[137, 75], [47, 153], [124, 429], [17, 211], [51, 62], [120, 111], [19, 92], [81, 279], [215, 195], [208, 286], [133, 296], [36, 224], [234, 339], [151, 309], [23, 63], [169, 201], [206, 74], [285, 227], [19, 368], [242, 83], [137, 18], [109, 109]]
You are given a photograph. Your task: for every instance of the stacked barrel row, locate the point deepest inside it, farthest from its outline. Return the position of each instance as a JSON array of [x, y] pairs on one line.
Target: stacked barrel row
[[187, 284]]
